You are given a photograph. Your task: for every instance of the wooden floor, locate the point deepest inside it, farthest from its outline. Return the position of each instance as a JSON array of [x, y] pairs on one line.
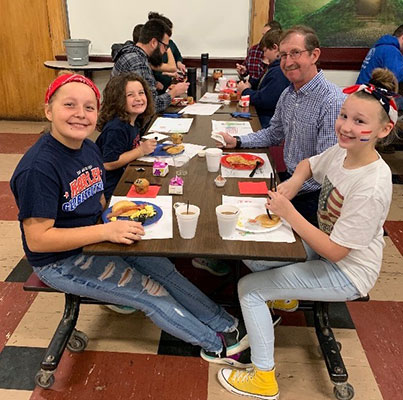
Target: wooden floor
[[130, 358]]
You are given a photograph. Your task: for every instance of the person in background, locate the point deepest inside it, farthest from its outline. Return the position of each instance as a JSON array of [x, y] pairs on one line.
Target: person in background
[[304, 118], [116, 47], [150, 48], [386, 53], [58, 187], [126, 108], [172, 59], [253, 64], [265, 93], [345, 253]]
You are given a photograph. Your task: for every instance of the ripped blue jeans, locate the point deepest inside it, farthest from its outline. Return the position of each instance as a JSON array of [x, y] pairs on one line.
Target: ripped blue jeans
[[151, 284]]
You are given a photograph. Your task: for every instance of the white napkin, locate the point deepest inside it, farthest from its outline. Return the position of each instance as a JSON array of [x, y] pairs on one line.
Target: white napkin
[[155, 135], [190, 150], [162, 229], [262, 172], [282, 234], [200, 109]]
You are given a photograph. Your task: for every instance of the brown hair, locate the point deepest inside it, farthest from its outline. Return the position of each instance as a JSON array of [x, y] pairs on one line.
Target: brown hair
[[270, 38], [311, 39], [114, 100]]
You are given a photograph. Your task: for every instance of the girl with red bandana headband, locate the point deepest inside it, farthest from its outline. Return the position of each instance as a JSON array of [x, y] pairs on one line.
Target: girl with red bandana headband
[[58, 187], [344, 255]]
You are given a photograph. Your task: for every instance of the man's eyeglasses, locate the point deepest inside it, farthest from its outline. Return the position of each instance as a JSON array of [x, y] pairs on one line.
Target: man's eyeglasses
[[294, 54], [166, 46]]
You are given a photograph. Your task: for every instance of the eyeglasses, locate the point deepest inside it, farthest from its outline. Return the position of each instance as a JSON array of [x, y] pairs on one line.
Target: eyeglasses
[[294, 54], [166, 46]]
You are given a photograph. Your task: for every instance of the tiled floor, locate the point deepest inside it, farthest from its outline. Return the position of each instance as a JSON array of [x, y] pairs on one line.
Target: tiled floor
[[130, 358]]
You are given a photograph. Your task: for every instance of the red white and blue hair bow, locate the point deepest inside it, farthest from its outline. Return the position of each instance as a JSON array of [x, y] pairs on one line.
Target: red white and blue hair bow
[[385, 98]]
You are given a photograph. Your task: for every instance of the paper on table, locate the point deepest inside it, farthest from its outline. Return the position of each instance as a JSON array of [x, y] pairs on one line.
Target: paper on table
[[162, 229], [282, 234], [210, 98], [190, 150], [234, 128], [252, 188], [171, 125], [151, 193], [155, 135], [200, 109], [262, 172]]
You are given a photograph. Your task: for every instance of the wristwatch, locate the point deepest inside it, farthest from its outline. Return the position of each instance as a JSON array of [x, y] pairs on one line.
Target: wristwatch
[[238, 142]]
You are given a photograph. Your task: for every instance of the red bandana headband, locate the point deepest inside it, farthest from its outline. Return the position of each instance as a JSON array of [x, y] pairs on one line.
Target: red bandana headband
[[384, 97], [68, 78]]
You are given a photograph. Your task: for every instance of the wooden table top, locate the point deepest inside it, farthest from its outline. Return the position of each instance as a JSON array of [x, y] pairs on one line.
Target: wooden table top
[[199, 189]]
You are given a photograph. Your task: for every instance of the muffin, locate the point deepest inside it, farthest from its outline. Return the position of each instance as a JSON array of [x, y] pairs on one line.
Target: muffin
[[177, 138], [141, 185]]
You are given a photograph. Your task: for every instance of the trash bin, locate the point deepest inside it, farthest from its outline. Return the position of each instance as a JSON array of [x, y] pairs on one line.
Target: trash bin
[[77, 51]]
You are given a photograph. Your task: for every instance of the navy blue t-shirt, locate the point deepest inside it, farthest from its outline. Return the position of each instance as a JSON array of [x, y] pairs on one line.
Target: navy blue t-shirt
[[55, 182], [117, 137]]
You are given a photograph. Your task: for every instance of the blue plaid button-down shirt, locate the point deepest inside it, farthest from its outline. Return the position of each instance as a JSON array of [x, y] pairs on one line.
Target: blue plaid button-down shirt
[[134, 59], [304, 120]]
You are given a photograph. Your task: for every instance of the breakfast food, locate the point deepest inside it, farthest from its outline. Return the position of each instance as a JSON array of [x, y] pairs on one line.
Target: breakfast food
[[141, 185], [174, 149], [190, 100], [177, 138], [240, 160], [266, 222], [131, 210]]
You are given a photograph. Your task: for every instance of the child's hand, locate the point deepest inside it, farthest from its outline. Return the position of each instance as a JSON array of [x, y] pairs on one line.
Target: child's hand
[[148, 146], [126, 232], [289, 188], [279, 204]]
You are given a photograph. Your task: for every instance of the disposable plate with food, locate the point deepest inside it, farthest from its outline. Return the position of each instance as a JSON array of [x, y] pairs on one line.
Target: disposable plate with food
[[256, 220], [145, 212], [167, 150], [242, 161]]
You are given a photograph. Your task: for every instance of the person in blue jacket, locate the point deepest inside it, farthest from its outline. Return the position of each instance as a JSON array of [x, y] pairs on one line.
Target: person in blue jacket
[[264, 93], [386, 53]]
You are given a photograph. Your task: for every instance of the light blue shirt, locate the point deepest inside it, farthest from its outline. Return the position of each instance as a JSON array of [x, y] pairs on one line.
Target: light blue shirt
[[304, 119]]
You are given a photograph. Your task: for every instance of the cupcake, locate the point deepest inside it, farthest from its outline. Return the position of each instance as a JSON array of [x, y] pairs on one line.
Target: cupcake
[[141, 185]]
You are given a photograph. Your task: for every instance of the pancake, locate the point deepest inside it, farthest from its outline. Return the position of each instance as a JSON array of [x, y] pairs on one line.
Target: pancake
[[266, 222]]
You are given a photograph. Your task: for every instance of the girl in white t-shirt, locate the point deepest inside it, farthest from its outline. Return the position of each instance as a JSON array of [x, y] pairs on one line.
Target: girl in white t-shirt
[[345, 254]]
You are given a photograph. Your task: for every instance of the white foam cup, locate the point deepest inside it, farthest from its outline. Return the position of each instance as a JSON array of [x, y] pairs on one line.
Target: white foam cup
[[213, 158], [187, 223], [227, 218]]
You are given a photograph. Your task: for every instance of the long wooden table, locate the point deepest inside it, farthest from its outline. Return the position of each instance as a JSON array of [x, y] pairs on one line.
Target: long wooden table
[[199, 189]]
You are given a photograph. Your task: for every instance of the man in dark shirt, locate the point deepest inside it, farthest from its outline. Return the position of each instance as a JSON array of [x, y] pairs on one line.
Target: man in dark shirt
[[150, 48]]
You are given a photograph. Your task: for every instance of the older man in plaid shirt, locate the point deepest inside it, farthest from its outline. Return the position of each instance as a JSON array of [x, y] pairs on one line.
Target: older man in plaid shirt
[[305, 114], [153, 43]]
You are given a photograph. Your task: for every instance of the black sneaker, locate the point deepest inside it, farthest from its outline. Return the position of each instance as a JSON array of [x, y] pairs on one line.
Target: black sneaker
[[239, 360], [235, 341]]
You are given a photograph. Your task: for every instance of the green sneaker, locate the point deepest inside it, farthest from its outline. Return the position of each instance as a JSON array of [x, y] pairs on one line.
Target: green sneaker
[[215, 267], [121, 309]]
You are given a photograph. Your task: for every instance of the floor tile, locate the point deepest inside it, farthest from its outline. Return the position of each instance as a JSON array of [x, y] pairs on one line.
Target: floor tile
[[16, 144], [394, 230], [127, 377], [22, 127], [8, 164], [301, 372], [11, 250], [390, 282], [8, 207], [379, 326], [18, 366], [14, 302], [15, 394], [396, 208], [107, 330]]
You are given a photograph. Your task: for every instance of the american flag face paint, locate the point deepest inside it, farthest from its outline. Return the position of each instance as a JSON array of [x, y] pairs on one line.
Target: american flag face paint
[[365, 136]]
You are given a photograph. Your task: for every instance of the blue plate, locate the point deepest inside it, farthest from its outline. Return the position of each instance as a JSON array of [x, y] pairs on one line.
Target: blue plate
[[160, 152], [147, 222]]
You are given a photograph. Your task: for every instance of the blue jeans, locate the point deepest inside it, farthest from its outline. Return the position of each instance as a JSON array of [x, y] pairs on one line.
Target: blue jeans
[[315, 279], [151, 284]]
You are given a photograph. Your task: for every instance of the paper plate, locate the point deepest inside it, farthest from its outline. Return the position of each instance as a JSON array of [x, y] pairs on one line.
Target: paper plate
[[251, 213]]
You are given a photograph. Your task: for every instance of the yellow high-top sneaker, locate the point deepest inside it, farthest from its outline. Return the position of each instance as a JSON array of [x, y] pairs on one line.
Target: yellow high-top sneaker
[[252, 382], [283, 305]]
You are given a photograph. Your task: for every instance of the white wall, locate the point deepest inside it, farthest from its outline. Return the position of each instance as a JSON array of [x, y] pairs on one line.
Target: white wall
[[217, 27]]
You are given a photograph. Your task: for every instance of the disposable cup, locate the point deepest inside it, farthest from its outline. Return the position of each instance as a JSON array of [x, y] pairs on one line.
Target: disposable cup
[[227, 218], [181, 163], [187, 222], [213, 158]]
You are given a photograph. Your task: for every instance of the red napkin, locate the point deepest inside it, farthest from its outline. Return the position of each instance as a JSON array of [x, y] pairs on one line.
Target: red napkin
[[152, 192], [252, 187]]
